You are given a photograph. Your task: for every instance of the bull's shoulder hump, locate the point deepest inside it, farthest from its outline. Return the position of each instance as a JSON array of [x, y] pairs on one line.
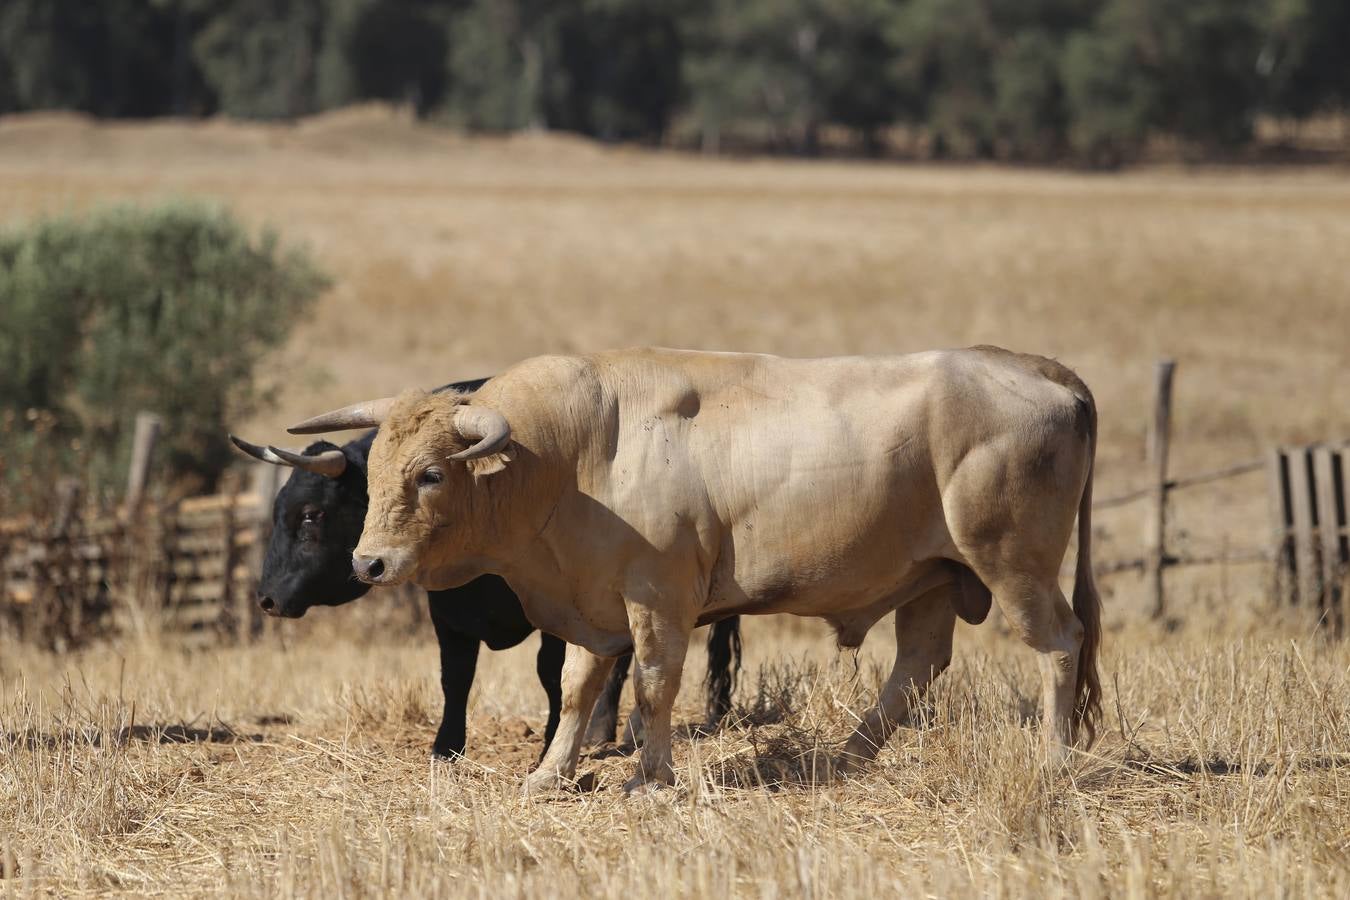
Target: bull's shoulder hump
[[552, 375]]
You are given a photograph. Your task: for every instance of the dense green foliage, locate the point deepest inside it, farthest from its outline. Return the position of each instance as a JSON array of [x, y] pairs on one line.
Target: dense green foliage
[[167, 309], [1030, 79]]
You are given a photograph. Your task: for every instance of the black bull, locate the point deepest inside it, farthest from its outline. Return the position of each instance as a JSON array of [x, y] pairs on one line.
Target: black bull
[[316, 523]]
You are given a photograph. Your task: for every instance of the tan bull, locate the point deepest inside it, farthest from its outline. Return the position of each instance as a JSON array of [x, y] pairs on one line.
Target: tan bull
[[631, 496]]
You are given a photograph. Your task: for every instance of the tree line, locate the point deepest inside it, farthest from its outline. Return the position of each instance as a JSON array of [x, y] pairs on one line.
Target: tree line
[[1037, 80]]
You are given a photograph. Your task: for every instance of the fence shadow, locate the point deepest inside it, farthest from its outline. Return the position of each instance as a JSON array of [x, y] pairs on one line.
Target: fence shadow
[[159, 733]]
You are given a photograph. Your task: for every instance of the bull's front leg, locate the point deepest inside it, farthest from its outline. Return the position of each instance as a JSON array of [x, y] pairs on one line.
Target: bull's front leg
[[660, 641], [548, 665], [582, 678], [459, 661]]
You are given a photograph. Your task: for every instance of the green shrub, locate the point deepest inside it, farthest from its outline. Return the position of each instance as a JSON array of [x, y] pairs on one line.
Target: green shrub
[[168, 309]]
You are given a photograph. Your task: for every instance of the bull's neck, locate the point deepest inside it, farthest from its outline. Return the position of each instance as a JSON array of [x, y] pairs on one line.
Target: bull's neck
[[513, 507], [506, 511]]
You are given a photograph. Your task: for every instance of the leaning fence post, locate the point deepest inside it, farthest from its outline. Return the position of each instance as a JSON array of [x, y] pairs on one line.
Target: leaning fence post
[[1282, 515], [142, 448], [139, 569], [1155, 528]]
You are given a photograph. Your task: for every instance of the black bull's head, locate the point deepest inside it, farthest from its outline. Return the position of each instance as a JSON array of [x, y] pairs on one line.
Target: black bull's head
[[316, 523]]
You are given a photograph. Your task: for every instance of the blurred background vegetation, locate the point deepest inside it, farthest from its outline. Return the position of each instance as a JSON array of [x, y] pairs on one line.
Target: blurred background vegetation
[[1083, 81], [167, 308]]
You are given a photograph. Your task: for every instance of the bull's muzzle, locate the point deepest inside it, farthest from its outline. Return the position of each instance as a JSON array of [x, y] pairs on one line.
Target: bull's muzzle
[[278, 609], [370, 569]]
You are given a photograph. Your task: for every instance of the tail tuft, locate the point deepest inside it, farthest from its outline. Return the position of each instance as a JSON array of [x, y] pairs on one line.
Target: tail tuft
[[724, 665]]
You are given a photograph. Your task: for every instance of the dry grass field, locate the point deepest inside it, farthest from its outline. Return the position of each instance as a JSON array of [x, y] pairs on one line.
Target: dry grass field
[[298, 767]]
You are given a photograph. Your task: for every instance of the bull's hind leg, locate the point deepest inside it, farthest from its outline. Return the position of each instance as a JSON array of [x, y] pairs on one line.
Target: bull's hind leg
[[1010, 513], [582, 678], [1038, 613], [1025, 587], [923, 639], [605, 716]]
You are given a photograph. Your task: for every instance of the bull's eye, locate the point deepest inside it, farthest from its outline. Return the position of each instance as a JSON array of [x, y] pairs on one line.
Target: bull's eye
[[429, 477], [311, 517]]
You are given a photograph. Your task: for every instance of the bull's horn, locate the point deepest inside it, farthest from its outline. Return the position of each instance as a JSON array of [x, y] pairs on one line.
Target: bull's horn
[[329, 463], [487, 428], [359, 415], [262, 454]]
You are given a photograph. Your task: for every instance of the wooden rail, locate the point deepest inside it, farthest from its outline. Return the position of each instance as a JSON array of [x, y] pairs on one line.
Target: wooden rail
[[1244, 468]]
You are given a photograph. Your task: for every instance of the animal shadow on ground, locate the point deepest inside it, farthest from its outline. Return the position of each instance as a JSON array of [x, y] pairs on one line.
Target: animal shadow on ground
[[159, 733], [782, 757], [688, 732], [1188, 767]]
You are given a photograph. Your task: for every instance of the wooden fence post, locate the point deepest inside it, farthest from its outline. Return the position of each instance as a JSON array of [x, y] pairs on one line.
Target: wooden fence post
[[1307, 575], [1277, 477], [142, 449], [1155, 528], [1328, 474]]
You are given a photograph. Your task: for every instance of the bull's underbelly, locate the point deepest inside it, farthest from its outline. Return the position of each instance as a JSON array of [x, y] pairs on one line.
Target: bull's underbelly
[[817, 593], [824, 566], [597, 619], [852, 562]]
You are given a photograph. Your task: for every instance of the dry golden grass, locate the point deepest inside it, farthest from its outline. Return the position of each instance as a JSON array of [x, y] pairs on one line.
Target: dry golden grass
[[1226, 767], [1225, 772]]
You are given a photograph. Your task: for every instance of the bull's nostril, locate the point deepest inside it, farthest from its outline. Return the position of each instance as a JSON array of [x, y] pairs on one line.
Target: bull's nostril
[[376, 569], [267, 603]]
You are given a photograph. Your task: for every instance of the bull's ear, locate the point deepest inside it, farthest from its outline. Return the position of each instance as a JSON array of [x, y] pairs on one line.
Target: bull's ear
[[489, 465]]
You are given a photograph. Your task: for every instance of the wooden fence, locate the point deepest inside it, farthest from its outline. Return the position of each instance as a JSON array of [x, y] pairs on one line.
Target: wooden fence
[[1309, 501], [1310, 556], [1157, 556], [189, 567]]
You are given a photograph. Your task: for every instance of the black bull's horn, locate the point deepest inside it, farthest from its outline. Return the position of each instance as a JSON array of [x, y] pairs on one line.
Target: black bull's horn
[[329, 463]]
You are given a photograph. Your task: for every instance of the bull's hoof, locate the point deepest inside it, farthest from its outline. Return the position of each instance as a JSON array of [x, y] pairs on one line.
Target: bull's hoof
[[446, 756], [1057, 754], [600, 733], [644, 783], [637, 786], [540, 783], [825, 770]]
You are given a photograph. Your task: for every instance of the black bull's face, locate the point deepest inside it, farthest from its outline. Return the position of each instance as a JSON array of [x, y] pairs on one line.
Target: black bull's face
[[316, 523]]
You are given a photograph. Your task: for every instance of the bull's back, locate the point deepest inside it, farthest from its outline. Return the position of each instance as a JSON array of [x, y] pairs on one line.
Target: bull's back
[[802, 479]]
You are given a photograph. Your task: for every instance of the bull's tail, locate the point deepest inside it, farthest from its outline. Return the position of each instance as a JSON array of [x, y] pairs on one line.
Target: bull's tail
[[724, 664], [1087, 603]]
